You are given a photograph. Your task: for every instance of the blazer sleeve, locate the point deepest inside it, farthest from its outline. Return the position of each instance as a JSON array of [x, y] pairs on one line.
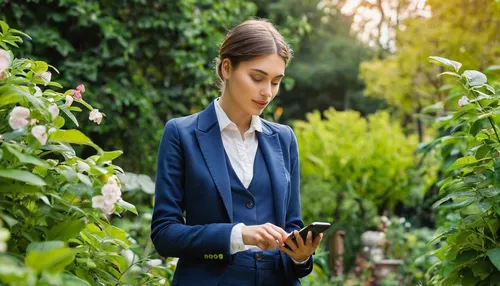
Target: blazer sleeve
[[293, 214], [170, 236]]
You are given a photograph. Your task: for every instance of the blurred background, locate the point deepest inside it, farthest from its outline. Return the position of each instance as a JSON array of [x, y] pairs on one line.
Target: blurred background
[[360, 94]]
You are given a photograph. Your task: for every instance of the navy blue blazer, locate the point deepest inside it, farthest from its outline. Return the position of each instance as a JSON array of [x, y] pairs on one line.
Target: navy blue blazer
[[192, 177]]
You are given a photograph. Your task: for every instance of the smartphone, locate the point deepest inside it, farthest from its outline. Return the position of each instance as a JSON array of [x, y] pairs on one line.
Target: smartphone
[[315, 227]]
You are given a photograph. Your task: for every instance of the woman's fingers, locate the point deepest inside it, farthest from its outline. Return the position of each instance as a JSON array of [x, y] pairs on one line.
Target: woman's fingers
[[317, 240], [300, 241]]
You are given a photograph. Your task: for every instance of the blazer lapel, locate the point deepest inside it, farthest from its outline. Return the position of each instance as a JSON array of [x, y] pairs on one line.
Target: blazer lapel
[[271, 148], [212, 148]]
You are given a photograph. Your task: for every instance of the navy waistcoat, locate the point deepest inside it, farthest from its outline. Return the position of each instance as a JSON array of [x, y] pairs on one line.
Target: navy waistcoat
[[254, 205]]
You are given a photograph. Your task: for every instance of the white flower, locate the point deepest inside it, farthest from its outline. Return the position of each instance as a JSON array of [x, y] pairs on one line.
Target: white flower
[[112, 180], [19, 117], [111, 193], [98, 202], [46, 76], [407, 224], [366, 249], [4, 60], [69, 100], [17, 122], [54, 110], [20, 111], [3, 246], [38, 91], [402, 220], [108, 209], [154, 262], [40, 133], [82, 166], [463, 101], [95, 116]]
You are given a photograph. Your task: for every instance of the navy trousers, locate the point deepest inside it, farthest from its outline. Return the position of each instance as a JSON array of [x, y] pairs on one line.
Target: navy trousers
[[254, 269]]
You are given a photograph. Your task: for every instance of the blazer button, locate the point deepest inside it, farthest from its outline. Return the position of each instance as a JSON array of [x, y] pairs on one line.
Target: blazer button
[[258, 256], [250, 204]]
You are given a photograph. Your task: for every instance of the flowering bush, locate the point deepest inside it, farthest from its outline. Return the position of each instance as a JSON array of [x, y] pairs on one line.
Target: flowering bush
[[54, 205], [471, 187]]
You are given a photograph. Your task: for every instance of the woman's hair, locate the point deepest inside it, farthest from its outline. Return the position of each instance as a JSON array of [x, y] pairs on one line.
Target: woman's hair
[[248, 40]]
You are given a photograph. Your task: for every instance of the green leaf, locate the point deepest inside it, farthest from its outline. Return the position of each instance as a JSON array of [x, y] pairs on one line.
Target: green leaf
[[475, 78], [450, 73], [460, 204], [5, 27], [494, 255], [70, 116], [433, 108], [489, 192], [453, 195], [443, 233], [481, 269], [108, 156], [17, 188], [84, 179], [66, 230], [59, 122], [23, 176], [445, 63], [462, 162], [44, 246], [54, 260], [72, 280], [67, 172], [127, 206], [70, 136], [26, 158], [120, 261]]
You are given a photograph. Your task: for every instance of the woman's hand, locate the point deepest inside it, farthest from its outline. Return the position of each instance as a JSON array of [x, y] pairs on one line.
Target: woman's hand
[[301, 251], [264, 236]]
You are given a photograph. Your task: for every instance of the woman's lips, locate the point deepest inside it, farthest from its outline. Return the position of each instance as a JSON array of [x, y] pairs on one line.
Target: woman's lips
[[261, 104]]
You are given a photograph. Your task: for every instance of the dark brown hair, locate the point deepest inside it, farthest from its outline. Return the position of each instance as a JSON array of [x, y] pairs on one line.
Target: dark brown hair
[[248, 40]]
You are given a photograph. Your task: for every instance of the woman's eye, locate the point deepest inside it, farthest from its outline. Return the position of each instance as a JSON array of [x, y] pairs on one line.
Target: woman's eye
[[257, 79], [275, 83]]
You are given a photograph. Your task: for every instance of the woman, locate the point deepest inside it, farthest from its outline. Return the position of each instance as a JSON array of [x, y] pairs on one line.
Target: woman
[[235, 175]]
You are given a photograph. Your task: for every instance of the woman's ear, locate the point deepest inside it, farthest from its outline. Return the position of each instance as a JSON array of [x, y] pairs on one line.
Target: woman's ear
[[226, 69]]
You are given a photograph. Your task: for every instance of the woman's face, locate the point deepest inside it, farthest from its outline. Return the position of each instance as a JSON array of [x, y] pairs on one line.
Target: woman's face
[[254, 83]]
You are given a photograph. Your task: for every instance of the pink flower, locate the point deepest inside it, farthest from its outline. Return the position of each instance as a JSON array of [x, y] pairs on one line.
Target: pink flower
[[77, 94], [81, 88], [4, 60], [19, 117], [54, 110], [463, 101], [95, 116], [40, 133], [69, 101]]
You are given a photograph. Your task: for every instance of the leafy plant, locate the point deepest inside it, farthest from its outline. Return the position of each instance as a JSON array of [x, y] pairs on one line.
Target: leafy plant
[[471, 187], [55, 206]]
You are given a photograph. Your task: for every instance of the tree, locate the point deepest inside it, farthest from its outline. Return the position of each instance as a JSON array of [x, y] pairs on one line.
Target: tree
[[406, 80]]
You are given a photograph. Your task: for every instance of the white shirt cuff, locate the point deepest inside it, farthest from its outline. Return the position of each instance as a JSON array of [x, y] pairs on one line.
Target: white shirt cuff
[[303, 262], [236, 242]]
